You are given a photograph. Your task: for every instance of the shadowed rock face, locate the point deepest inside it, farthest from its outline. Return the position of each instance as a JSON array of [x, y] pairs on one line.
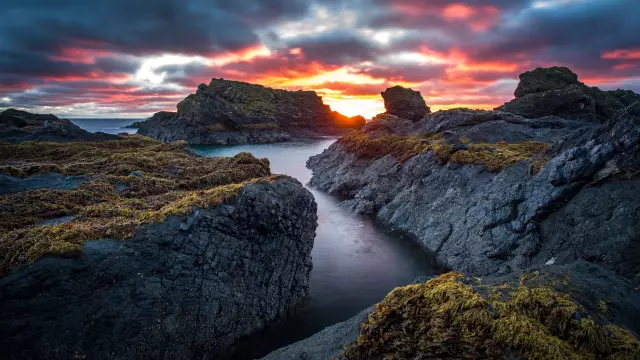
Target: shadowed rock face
[[544, 79], [18, 126], [185, 288], [405, 103], [233, 112]]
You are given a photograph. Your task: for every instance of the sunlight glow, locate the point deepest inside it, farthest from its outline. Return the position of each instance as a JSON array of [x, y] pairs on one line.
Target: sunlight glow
[[367, 106]]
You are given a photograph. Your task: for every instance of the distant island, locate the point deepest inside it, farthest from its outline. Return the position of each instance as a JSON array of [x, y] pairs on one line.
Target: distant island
[[232, 112]]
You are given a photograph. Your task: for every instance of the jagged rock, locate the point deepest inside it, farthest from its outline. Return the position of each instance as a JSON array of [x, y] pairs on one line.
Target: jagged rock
[[171, 291], [18, 126], [405, 103], [488, 222], [153, 252], [233, 112], [557, 91], [544, 79]]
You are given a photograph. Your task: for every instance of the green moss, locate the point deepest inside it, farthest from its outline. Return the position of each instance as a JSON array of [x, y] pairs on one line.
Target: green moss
[[446, 318], [169, 180], [602, 307], [494, 156]]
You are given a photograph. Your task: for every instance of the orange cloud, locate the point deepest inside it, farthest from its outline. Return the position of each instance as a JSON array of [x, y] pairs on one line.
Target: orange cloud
[[626, 54], [458, 12], [79, 55]]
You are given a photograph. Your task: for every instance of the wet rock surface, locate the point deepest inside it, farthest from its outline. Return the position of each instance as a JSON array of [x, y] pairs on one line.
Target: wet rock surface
[[17, 126], [232, 112], [184, 288]]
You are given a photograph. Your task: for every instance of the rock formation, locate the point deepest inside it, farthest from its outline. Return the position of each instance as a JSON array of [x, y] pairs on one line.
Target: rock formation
[[405, 103], [19, 126], [557, 91], [233, 112], [547, 181], [145, 250]]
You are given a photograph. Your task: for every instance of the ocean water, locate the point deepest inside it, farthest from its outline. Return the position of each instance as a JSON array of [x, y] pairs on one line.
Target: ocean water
[[355, 263], [109, 126]]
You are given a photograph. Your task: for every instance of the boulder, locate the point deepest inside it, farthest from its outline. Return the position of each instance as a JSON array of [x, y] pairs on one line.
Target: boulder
[[544, 79], [405, 103]]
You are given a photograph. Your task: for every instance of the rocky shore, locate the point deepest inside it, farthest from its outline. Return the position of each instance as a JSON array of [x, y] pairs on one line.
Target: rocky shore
[[145, 249], [231, 112], [544, 187]]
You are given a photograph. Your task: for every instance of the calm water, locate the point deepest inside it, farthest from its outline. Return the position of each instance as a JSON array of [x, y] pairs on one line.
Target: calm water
[[355, 263], [109, 126]]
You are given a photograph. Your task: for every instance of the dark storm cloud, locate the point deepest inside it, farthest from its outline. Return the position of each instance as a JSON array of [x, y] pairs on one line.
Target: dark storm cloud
[[336, 48]]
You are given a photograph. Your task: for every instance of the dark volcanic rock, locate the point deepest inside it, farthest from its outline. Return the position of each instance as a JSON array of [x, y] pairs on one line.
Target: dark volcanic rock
[[557, 91], [579, 206], [185, 288], [543, 79], [18, 126], [233, 112], [405, 103]]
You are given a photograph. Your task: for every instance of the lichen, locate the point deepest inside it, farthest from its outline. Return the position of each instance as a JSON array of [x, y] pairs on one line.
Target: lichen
[[495, 156], [133, 182], [448, 318]]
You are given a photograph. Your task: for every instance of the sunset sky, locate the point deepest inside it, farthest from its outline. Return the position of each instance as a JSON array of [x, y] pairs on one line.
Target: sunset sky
[[128, 58]]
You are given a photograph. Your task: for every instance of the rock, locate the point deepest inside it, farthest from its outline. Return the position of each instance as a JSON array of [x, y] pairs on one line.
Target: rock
[[405, 103], [485, 219], [544, 79], [233, 112], [18, 126], [166, 293], [326, 344], [605, 299], [557, 91], [177, 261]]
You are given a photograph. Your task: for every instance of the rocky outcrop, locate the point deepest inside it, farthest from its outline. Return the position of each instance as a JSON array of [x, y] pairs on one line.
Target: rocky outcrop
[[557, 91], [18, 126], [572, 297], [233, 112], [154, 252], [405, 103], [490, 192]]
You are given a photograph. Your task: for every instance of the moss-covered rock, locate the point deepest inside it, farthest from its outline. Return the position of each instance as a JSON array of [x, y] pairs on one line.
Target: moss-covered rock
[[454, 317], [495, 156], [133, 181]]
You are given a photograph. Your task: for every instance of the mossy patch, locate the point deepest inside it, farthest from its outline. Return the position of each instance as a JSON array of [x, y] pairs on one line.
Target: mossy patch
[[448, 318], [134, 181], [495, 156]]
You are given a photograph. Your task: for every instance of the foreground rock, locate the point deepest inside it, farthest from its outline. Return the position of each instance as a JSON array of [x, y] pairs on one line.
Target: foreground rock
[[494, 194], [194, 252], [553, 312], [18, 126], [233, 112], [405, 103]]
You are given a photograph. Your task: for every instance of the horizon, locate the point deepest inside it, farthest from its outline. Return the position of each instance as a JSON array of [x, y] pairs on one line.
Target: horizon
[[124, 60]]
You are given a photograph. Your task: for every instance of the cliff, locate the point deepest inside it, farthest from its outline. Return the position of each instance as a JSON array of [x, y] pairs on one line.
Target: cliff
[[548, 180], [233, 112], [144, 249]]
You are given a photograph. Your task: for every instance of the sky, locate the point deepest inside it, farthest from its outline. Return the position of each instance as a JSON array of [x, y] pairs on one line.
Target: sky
[[132, 58]]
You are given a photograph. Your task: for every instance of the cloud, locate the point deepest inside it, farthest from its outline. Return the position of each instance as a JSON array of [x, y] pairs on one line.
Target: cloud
[[144, 56]]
